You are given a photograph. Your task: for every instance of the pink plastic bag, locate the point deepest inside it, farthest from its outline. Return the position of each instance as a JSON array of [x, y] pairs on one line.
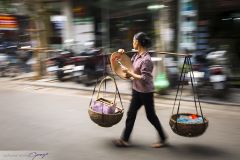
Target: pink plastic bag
[[101, 107]]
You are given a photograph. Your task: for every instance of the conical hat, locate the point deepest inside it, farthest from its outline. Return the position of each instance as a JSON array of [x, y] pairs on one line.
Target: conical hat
[[117, 57]]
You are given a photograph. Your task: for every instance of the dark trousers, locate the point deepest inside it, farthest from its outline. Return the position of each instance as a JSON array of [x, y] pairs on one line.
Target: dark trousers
[[139, 99]]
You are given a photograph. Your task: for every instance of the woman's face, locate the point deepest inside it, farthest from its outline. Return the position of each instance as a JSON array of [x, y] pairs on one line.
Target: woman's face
[[135, 43]]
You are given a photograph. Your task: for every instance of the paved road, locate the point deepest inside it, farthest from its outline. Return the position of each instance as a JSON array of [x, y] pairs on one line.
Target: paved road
[[54, 122]]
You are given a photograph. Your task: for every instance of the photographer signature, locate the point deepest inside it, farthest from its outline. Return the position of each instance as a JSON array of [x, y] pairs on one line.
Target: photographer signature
[[35, 155]]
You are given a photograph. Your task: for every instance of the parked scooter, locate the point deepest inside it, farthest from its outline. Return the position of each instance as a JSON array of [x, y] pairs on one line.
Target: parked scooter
[[83, 67], [3, 64], [61, 64], [218, 72], [90, 65], [210, 76], [9, 62]]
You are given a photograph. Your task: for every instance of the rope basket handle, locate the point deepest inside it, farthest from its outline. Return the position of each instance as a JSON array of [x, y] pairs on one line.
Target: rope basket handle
[[100, 85], [187, 61]]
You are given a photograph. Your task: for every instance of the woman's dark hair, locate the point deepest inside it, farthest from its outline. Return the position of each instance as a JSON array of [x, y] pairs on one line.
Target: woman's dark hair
[[143, 39]]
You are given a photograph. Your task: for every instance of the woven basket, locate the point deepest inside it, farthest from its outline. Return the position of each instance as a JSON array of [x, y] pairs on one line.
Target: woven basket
[[106, 120], [186, 129], [117, 57]]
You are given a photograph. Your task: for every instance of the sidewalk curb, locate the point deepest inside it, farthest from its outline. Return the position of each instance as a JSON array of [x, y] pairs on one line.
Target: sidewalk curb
[[128, 94]]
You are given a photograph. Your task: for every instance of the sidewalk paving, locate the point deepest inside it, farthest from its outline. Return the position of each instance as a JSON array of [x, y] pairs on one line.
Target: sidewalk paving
[[124, 87]]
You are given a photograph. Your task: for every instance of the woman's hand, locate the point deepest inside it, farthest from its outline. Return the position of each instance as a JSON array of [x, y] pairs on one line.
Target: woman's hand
[[127, 72], [124, 69], [121, 50]]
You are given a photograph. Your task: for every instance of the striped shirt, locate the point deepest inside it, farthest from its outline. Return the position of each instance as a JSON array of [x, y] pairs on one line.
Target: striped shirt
[[143, 65]]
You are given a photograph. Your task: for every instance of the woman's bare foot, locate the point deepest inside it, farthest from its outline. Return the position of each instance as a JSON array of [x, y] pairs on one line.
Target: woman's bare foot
[[159, 144], [120, 143]]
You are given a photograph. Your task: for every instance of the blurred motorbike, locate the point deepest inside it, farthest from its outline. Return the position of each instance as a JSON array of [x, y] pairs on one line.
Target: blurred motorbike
[[211, 76], [218, 72], [61, 64], [3, 64], [84, 67], [9, 62], [90, 65]]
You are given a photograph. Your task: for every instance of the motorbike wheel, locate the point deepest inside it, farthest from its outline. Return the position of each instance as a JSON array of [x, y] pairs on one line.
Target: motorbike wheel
[[60, 75], [221, 93], [91, 79], [76, 79], [88, 81]]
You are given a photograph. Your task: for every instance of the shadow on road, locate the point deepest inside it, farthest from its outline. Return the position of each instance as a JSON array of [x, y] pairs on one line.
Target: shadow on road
[[198, 150], [174, 151]]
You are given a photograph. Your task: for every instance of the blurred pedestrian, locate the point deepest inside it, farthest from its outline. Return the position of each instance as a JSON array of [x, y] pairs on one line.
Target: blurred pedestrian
[[142, 91]]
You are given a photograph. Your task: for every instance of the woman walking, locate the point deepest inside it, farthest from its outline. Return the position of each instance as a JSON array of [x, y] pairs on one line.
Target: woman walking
[[142, 91]]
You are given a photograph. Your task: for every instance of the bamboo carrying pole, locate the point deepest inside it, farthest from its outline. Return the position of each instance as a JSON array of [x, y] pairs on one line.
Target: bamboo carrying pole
[[176, 54], [116, 67], [166, 53]]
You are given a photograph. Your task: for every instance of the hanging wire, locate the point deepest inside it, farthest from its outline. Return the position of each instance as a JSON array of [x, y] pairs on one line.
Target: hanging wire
[[197, 96], [109, 62], [180, 80], [181, 89], [187, 61], [193, 80]]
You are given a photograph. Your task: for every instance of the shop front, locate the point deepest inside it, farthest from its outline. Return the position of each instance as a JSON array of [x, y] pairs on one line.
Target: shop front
[[220, 21]]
